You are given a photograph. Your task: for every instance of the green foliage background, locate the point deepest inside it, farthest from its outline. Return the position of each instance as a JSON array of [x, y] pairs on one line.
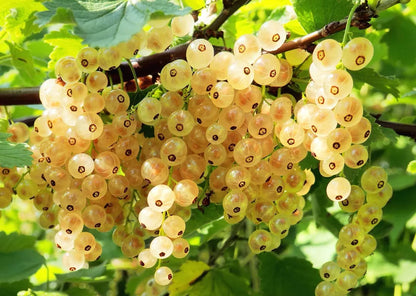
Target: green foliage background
[[35, 34]]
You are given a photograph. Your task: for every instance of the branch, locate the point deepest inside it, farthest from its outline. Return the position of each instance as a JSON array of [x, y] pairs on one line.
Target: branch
[[19, 96], [408, 130], [152, 64], [229, 9], [360, 19]]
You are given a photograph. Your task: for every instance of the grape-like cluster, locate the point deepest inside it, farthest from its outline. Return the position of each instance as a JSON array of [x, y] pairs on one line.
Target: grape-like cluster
[[217, 137]]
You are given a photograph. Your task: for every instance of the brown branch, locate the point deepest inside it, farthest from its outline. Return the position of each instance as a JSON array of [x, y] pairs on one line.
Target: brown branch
[[152, 64], [143, 66], [19, 96], [229, 8], [408, 130], [360, 19]]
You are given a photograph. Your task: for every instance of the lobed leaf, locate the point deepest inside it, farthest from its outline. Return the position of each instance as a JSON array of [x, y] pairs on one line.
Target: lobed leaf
[[288, 276], [203, 217], [109, 22], [22, 60], [313, 15], [18, 265], [219, 282], [12, 154], [188, 273], [15, 242], [384, 84], [64, 44]]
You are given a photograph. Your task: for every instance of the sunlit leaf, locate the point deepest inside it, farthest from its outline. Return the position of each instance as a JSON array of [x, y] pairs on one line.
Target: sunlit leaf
[[65, 44], [12, 154], [385, 84], [19, 265], [188, 273], [194, 4], [411, 167], [22, 60], [16, 18], [109, 22], [314, 15]]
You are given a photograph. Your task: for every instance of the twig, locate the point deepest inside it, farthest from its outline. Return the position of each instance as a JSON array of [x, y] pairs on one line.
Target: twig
[[19, 96], [360, 19], [408, 130], [226, 13]]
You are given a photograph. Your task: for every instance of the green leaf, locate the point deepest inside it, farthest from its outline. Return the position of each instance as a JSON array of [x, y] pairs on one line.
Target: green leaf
[[188, 273], [82, 274], [400, 52], [379, 133], [40, 51], [383, 229], [314, 15], [16, 18], [65, 44], [219, 282], [140, 94], [58, 15], [194, 4], [109, 22], [411, 167], [288, 276], [15, 242], [309, 162], [23, 62], [18, 265], [201, 217], [12, 154], [13, 288], [135, 280], [4, 124], [399, 210], [320, 202], [44, 293], [76, 291], [384, 84]]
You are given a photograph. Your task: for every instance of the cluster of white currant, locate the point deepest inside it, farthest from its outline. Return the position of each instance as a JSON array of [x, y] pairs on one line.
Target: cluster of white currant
[[329, 92], [213, 125], [355, 243], [75, 179]]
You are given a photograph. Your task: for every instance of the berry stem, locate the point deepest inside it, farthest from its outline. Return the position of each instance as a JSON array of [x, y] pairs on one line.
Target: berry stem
[[120, 74], [110, 80], [170, 178], [134, 74], [8, 117], [20, 179], [348, 25]]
